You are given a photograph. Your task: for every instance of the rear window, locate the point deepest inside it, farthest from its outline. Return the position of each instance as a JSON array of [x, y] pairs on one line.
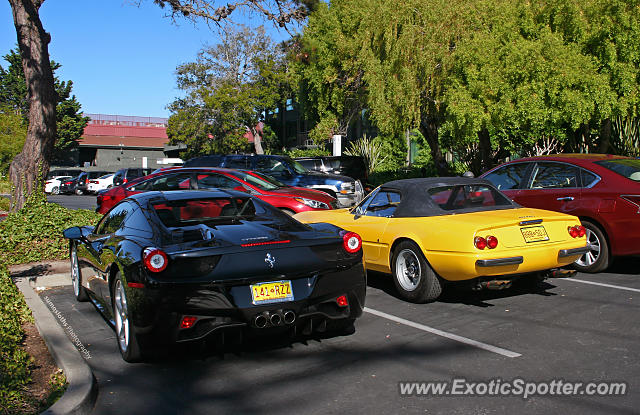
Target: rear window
[[467, 196], [204, 211], [629, 168]]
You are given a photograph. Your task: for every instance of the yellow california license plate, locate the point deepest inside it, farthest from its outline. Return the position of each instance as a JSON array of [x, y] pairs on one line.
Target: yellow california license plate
[[534, 234], [271, 292]]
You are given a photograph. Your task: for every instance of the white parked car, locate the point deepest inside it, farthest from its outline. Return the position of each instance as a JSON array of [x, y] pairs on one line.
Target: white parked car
[[101, 183], [52, 185]]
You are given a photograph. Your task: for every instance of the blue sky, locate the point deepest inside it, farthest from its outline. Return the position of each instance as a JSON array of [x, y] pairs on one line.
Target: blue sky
[[120, 57]]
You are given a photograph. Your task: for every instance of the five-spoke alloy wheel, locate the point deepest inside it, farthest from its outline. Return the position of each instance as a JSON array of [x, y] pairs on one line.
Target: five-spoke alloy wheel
[[597, 259], [413, 277]]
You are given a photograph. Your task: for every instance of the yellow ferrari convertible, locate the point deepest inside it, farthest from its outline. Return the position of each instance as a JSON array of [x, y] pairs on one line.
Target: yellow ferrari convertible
[[429, 231]]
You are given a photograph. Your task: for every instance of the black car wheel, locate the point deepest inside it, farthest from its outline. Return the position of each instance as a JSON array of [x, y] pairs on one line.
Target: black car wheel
[[76, 279], [413, 277], [55, 190], [79, 192], [124, 332], [597, 259]]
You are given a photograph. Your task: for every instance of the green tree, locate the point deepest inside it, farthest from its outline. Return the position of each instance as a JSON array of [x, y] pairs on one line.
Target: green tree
[[69, 119], [12, 135], [515, 84], [33, 41], [327, 70], [13, 88], [228, 89], [390, 57], [609, 31]]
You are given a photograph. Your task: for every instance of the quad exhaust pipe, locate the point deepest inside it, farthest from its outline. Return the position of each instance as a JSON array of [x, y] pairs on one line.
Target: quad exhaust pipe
[[274, 318], [260, 321], [289, 317]]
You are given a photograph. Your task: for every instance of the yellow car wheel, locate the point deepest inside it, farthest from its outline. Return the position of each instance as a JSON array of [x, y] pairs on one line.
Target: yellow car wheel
[[413, 277]]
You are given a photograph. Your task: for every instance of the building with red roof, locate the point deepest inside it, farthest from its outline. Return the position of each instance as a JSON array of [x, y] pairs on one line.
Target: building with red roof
[[112, 142]]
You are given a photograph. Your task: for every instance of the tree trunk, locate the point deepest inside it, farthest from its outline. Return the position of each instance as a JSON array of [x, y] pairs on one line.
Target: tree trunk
[[29, 168], [484, 146], [257, 132], [605, 136], [429, 131]]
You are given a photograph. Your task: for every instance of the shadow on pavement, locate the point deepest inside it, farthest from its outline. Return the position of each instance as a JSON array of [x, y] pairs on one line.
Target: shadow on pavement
[[462, 293]]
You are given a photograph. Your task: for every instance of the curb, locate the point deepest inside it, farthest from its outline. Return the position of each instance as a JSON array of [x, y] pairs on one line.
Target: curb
[[82, 389]]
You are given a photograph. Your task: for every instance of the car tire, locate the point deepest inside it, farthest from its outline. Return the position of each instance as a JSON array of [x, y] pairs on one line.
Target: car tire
[[55, 190], [597, 259], [76, 277], [110, 186], [79, 192], [125, 336], [413, 277]]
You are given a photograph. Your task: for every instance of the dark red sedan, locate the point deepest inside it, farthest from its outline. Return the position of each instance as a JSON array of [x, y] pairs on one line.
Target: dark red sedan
[[286, 198], [603, 190]]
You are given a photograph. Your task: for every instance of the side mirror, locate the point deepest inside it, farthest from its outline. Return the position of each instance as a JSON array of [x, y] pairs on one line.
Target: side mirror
[[73, 233], [77, 232]]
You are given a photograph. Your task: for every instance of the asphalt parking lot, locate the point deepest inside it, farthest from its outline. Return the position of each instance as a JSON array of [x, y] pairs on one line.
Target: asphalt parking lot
[[569, 330], [74, 201]]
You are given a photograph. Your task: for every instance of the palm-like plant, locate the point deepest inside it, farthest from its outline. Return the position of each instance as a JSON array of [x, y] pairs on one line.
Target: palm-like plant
[[369, 149], [626, 136]]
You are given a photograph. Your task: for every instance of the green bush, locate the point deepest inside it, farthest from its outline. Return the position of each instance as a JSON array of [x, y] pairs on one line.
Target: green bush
[[35, 232], [14, 361], [5, 204], [307, 152], [5, 184]]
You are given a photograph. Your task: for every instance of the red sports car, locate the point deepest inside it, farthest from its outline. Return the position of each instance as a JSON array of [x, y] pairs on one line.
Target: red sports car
[[603, 190], [288, 199]]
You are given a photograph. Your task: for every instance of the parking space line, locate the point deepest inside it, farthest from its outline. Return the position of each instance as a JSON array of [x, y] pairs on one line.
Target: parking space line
[[619, 287], [451, 336]]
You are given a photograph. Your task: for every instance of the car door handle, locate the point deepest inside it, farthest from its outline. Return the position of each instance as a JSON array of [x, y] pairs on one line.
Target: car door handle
[[563, 199]]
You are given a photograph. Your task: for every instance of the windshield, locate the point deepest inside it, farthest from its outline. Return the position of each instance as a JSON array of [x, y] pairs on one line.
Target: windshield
[[261, 181], [629, 168], [106, 176], [299, 168]]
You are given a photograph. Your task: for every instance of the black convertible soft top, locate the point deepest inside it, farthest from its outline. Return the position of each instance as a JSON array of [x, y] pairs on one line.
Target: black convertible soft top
[[416, 201]]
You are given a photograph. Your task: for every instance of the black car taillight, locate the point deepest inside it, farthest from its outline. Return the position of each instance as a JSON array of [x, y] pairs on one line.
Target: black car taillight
[[155, 260], [351, 242]]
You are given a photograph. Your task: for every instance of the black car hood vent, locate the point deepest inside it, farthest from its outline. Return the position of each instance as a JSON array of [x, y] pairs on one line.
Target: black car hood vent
[[191, 234]]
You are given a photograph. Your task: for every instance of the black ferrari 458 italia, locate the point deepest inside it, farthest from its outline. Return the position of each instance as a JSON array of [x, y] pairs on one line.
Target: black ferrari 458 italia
[[189, 266]]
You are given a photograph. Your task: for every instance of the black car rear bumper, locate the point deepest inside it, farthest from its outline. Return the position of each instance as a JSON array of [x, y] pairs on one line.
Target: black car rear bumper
[[157, 312]]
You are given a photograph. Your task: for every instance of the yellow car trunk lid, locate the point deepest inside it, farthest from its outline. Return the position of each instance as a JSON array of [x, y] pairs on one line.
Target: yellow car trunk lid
[[521, 227]]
